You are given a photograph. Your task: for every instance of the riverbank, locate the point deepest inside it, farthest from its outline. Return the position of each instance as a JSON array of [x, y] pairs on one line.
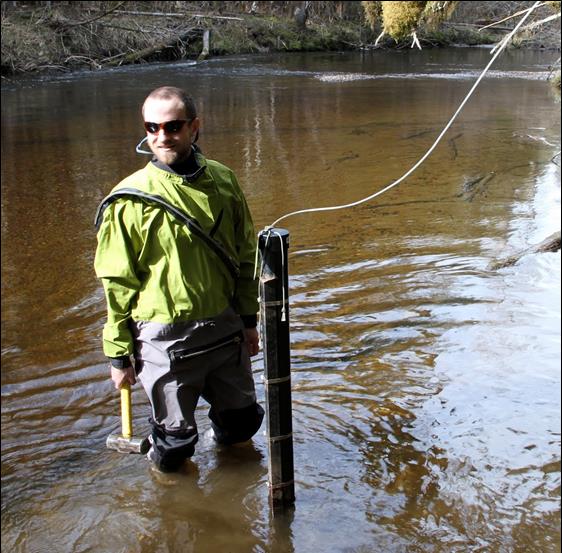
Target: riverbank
[[66, 37], [57, 40]]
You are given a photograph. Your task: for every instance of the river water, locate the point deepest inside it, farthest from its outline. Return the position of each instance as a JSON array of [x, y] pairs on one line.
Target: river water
[[426, 386]]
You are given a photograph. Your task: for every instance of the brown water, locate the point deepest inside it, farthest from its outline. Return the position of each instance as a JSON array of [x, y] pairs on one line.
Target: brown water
[[426, 386]]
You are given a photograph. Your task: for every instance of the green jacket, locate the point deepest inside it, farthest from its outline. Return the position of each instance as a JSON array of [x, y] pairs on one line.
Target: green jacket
[[154, 269]]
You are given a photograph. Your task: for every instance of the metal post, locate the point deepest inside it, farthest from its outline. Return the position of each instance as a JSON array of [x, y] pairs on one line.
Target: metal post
[[274, 316]]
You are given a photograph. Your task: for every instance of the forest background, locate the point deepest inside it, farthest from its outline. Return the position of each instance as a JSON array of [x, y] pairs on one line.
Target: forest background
[[75, 35]]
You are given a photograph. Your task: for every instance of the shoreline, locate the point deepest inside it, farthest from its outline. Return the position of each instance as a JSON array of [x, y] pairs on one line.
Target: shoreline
[[545, 75], [55, 42]]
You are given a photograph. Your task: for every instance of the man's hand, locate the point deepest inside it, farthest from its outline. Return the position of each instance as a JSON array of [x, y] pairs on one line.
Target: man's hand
[[252, 340], [120, 376]]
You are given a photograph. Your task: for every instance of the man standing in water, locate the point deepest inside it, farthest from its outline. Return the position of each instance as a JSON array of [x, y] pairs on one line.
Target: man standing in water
[[181, 302]]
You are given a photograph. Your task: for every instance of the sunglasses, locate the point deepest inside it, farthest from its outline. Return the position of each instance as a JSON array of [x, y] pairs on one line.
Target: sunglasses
[[169, 127]]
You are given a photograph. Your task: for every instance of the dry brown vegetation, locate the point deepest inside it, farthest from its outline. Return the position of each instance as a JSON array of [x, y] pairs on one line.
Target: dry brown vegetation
[[63, 36], [70, 35]]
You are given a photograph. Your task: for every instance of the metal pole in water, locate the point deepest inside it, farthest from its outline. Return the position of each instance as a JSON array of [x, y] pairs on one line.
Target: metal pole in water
[[273, 245]]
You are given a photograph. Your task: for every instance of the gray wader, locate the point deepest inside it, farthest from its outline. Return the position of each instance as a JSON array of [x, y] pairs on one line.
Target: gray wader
[[179, 363]]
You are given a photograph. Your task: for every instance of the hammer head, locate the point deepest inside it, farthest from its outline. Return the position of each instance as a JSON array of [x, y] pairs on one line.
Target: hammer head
[[128, 445]]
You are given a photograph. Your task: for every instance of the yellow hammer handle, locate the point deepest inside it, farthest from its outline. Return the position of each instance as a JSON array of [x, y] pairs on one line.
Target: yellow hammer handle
[[126, 423]]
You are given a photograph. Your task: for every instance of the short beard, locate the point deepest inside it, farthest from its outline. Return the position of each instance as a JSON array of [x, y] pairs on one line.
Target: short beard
[[173, 157]]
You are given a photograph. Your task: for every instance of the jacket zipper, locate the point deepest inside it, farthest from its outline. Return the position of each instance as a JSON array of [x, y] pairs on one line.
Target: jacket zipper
[[183, 354]]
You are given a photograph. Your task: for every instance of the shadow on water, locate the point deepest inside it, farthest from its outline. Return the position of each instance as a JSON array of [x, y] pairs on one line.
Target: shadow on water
[[425, 386]]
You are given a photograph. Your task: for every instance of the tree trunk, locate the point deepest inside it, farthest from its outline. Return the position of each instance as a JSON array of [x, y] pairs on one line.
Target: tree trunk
[[301, 15], [206, 45]]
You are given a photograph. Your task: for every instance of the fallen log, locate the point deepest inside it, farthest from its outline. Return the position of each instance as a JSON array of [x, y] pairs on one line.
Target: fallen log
[[146, 52], [182, 15], [550, 244], [457, 26]]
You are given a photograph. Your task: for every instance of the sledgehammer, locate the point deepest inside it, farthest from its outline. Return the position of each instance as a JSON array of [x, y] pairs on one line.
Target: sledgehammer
[[126, 443]]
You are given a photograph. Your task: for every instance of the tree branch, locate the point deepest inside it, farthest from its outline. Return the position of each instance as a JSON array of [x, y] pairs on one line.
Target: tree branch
[[550, 244], [379, 37], [510, 17], [97, 17], [537, 23]]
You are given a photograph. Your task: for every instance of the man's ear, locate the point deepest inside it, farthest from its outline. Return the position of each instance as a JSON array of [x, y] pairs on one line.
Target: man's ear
[[194, 126]]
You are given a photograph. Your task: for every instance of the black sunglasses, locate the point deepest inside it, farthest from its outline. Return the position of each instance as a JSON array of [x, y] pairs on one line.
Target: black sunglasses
[[170, 127]]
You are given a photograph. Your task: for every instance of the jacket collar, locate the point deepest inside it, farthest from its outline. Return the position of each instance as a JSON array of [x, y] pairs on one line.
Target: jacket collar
[[190, 170]]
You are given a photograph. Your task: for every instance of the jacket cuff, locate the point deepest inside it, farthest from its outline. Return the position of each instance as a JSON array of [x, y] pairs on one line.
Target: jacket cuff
[[250, 321], [122, 362]]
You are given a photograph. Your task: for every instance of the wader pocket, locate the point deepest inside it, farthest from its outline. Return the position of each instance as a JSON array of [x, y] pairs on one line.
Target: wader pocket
[[182, 359]]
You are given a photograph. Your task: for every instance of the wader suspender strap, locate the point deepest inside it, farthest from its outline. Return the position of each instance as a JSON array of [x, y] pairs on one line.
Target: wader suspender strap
[[191, 223]]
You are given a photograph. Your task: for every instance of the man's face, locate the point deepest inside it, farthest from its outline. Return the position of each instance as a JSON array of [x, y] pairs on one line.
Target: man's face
[[170, 143]]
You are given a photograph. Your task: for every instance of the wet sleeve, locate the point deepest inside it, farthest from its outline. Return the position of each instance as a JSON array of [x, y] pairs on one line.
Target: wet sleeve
[[119, 244], [246, 295]]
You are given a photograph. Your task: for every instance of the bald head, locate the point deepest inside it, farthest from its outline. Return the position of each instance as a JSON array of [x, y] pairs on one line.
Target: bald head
[[173, 93]]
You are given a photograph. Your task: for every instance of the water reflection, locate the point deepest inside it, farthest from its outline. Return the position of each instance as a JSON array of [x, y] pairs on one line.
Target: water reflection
[[425, 387]]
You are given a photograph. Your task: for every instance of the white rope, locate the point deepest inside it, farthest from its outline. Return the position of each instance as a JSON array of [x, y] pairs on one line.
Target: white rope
[[433, 146], [271, 231]]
